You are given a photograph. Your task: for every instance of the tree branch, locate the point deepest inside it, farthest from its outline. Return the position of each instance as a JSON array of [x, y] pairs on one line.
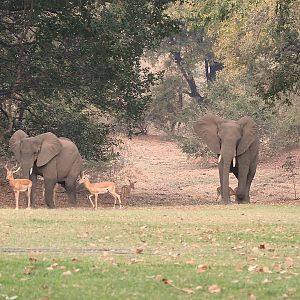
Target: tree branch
[[194, 93]]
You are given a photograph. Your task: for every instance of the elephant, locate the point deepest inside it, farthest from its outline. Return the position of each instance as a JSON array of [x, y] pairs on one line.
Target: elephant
[[56, 159], [237, 145]]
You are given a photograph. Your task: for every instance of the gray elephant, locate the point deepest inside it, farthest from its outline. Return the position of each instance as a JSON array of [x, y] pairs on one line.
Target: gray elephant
[[56, 159], [236, 143]]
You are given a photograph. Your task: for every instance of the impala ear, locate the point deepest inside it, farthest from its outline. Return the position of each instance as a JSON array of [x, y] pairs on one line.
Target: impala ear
[[249, 134], [15, 143], [207, 129]]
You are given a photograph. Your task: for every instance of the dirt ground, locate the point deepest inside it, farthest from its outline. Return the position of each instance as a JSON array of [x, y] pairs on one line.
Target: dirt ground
[[165, 176]]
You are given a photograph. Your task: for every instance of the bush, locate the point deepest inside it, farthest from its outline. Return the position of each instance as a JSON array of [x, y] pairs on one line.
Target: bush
[[233, 98], [85, 127]]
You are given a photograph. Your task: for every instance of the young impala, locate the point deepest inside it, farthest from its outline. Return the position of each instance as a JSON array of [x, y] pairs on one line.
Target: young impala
[[126, 189], [18, 185], [231, 192], [100, 188]]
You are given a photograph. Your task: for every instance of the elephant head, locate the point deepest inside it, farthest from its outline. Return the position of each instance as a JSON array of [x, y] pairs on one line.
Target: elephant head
[[229, 140], [30, 150]]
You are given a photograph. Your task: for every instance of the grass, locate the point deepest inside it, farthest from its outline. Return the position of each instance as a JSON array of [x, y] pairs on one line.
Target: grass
[[249, 252]]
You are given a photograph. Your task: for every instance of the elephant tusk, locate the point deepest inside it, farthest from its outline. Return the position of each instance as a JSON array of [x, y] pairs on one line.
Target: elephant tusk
[[220, 157], [30, 172], [234, 162]]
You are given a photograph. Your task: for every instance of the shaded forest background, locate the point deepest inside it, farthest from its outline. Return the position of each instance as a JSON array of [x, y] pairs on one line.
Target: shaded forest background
[[88, 69]]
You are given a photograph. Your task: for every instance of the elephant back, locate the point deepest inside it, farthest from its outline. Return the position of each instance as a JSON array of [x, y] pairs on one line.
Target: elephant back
[[69, 157]]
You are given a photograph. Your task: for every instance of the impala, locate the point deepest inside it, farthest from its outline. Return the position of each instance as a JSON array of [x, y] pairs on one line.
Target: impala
[[126, 189], [100, 188], [18, 185], [231, 192]]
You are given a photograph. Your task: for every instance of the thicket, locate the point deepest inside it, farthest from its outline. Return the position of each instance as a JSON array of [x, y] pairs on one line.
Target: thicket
[[85, 69], [74, 67], [243, 58]]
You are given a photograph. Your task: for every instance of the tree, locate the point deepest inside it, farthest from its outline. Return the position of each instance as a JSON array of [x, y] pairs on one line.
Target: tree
[[79, 56], [255, 47], [260, 39]]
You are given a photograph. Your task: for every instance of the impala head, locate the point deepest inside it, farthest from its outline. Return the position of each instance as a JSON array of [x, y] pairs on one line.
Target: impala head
[[10, 172], [83, 178], [131, 183]]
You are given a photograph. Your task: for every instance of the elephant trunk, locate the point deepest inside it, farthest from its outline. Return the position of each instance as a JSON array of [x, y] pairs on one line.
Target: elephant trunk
[[26, 169], [225, 181]]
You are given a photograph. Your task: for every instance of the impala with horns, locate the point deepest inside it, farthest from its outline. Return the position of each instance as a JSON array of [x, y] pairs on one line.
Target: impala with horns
[[100, 188], [18, 185]]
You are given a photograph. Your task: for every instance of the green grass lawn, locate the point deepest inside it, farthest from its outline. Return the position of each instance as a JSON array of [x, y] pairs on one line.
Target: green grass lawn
[[194, 252]]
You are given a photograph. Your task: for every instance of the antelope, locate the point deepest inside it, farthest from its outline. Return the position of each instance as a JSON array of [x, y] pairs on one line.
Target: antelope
[[18, 185], [231, 192], [126, 189], [100, 188]]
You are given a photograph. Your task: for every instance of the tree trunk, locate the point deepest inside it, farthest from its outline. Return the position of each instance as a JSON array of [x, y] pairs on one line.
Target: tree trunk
[[194, 93]]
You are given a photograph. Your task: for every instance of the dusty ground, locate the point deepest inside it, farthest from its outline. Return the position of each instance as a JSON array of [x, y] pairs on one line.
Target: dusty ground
[[165, 176]]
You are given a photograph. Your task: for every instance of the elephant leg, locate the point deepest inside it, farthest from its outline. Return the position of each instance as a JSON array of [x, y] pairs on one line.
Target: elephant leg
[[70, 186], [242, 193], [224, 183], [250, 177], [49, 189], [251, 174]]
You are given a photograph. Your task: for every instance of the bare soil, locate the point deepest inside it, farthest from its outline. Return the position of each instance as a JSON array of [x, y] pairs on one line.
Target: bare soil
[[165, 176]]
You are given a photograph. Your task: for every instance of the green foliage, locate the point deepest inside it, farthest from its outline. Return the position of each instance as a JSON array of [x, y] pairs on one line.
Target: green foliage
[[83, 126], [283, 78], [261, 39], [258, 43], [235, 97], [78, 51]]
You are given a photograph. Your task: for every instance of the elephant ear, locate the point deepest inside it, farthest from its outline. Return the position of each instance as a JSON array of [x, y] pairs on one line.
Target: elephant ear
[[15, 142], [51, 146], [250, 133], [207, 129]]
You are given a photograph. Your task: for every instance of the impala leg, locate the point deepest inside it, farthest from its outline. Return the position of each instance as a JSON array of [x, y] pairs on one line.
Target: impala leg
[[218, 194], [96, 200], [90, 197], [17, 199], [29, 192], [120, 202], [54, 194], [115, 198]]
